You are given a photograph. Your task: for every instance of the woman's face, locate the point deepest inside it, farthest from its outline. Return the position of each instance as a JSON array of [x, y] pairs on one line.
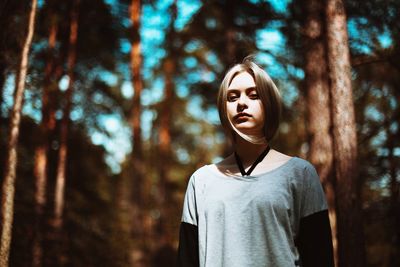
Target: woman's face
[[244, 106]]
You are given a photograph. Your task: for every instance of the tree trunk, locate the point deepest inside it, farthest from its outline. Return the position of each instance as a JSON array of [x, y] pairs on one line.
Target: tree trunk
[[165, 149], [63, 150], [394, 209], [40, 167], [165, 138], [138, 202], [8, 187], [348, 201], [318, 103]]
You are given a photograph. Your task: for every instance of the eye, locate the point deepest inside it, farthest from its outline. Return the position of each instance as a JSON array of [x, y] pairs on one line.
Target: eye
[[232, 97], [254, 96]]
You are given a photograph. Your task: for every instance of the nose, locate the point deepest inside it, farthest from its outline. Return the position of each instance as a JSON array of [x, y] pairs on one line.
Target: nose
[[242, 102]]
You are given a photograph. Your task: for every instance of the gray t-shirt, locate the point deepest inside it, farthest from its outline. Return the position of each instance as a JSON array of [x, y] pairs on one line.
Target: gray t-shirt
[[252, 221]]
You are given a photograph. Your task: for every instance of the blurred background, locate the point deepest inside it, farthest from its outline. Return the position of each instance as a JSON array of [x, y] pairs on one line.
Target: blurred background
[[119, 110]]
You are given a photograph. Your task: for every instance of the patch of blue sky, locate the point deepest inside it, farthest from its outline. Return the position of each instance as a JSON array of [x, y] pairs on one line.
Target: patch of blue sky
[[279, 6], [273, 68], [127, 89], [31, 106], [270, 39], [147, 118], [381, 183], [182, 155], [152, 35], [186, 9], [211, 23], [154, 94], [355, 33], [379, 139], [280, 74], [108, 77], [212, 116], [63, 83], [193, 45], [295, 72], [77, 114], [207, 76], [372, 113], [392, 101], [394, 127], [289, 92], [58, 114], [385, 39], [190, 62], [181, 87], [97, 98], [8, 92], [115, 144], [195, 109], [124, 46], [194, 129], [193, 77], [212, 59]]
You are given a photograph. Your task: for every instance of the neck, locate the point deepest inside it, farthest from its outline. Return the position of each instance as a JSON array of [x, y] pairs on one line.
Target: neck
[[248, 152]]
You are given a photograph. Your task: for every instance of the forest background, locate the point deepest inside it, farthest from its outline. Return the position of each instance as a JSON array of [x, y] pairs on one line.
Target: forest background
[[119, 109]]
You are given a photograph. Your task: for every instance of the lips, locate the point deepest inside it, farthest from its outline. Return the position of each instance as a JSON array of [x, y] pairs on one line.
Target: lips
[[241, 115]]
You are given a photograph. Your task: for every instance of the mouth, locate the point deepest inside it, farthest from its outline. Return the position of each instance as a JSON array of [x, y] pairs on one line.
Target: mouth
[[241, 115]]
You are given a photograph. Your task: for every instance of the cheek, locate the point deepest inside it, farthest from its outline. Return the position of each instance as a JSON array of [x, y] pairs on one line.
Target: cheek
[[261, 112], [230, 109]]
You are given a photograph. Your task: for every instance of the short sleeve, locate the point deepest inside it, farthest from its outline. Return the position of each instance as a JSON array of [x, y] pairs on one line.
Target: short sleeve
[[189, 213], [313, 199]]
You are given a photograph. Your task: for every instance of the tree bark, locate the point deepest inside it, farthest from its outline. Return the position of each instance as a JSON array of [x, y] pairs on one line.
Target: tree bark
[[63, 150], [318, 104], [164, 133], [351, 250], [138, 165], [40, 166], [165, 150], [394, 209], [8, 187]]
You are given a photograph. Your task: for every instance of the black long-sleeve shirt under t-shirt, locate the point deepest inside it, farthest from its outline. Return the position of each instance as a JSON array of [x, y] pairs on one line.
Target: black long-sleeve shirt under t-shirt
[[277, 218]]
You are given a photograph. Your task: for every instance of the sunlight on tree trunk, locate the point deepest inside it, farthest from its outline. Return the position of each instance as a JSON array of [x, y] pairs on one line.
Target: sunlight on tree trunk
[[8, 187], [165, 149], [348, 202], [318, 104], [165, 138], [138, 229], [62, 160], [40, 167]]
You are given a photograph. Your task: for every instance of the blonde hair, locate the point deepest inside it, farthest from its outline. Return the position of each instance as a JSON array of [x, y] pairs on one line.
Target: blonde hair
[[269, 96]]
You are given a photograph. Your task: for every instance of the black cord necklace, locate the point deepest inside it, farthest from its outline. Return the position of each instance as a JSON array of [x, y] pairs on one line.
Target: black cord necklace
[[258, 160]]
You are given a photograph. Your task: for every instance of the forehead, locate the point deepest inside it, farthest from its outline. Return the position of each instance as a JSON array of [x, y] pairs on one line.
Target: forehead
[[242, 80]]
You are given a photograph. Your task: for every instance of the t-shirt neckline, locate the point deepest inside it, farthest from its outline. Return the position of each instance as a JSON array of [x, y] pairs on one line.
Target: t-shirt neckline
[[217, 172]]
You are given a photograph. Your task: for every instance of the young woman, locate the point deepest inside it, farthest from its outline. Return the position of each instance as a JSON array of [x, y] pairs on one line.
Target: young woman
[[258, 207]]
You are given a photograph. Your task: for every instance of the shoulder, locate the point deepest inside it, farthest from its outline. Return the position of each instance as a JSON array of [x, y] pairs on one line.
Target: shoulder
[[303, 164], [305, 174], [199, 175], [296, 164]]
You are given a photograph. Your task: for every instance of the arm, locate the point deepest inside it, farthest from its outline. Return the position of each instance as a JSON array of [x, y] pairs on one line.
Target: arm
[[315, 240], [188, 251]]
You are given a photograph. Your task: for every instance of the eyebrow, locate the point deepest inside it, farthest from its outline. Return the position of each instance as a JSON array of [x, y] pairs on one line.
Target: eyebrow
[[247, 89]]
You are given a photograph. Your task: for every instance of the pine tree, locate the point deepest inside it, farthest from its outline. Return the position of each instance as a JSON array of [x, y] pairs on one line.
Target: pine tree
[[8, 187], [348, 202]]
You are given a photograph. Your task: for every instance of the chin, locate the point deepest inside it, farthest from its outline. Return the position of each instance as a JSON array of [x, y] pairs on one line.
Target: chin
[[248, 129]]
